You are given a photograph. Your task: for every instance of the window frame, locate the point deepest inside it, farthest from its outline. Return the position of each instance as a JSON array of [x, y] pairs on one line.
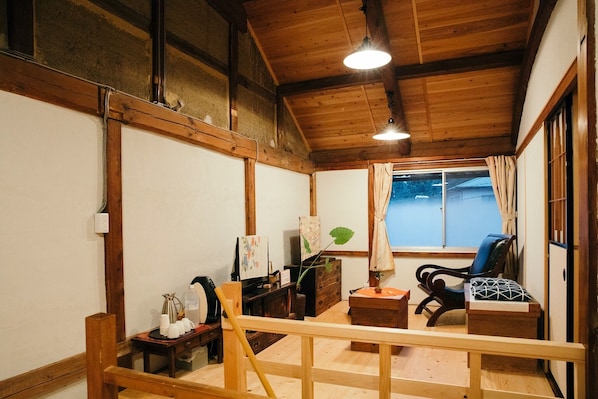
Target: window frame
[[443, 170]]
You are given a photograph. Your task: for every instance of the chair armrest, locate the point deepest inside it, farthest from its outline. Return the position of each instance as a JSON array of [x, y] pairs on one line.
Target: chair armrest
[[423, 271]]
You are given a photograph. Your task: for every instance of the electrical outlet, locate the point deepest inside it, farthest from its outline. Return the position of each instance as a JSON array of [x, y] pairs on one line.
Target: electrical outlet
[[101, 223]]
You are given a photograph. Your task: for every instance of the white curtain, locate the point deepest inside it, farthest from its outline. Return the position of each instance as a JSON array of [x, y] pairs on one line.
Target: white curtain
[[381, 258], [502, 175]]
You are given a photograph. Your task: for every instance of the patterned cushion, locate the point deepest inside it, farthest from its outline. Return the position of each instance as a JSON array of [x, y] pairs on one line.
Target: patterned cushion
[[490, 281], [506, 291]]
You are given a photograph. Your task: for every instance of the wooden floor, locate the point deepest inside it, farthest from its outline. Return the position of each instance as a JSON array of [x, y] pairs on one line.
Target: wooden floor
[[418, 363]]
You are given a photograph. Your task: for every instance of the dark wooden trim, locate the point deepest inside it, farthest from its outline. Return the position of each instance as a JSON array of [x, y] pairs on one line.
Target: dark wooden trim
[[565, 86], [21, 26], [406, 254], [113, 240], [41, 83], [119, 9], [443, 150], [457, 65], [313, 195], [158, 36], [250, 217], [585, 163], [231, 10], [545, 9], [233, 77], [44, 380]]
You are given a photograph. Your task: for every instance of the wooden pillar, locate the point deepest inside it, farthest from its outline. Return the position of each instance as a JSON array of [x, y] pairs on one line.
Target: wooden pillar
[[250, 221], [235, 377], [100, 339], [384, 387], [307, 363], [113, 241]]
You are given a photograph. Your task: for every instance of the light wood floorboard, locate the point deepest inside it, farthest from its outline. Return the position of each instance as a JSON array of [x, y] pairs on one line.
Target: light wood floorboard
[[418, 363]]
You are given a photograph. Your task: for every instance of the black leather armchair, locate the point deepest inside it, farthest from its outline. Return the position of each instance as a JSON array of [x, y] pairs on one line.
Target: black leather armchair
[[488, 262]]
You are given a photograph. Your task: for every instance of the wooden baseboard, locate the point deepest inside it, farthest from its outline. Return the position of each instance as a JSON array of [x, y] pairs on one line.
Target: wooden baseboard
[[54, 376]]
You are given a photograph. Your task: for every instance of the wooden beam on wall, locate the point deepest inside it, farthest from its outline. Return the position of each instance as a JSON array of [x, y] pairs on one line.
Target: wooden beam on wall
[[250, 219], [586, 168], [443, 150], [113, 240], [158, 35], [21, 26]]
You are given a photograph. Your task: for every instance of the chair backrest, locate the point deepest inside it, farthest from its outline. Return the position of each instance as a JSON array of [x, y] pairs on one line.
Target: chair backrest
[[491, 255]]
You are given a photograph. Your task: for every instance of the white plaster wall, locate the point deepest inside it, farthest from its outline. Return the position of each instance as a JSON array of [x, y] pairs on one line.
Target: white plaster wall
[[51, 261], [282, 196], [531, 217], [183, 207], [556, 54], [342, 198]]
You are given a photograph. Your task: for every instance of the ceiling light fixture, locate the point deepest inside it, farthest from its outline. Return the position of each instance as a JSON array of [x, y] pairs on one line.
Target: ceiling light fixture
[[391, 132], [366, 56]]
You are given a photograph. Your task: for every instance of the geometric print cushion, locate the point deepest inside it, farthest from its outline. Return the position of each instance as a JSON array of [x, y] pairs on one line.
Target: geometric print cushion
[[501, 292], [491, 281]]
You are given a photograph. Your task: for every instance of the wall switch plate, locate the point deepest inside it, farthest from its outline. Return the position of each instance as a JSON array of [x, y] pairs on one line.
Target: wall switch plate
[[101, 222]]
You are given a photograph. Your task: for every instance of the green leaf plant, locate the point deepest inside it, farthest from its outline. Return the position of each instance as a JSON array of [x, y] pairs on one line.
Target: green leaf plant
[[340, 235]]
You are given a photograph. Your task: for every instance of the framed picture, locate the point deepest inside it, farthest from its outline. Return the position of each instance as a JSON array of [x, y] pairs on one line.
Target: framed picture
[[253, 256], [309, 236]]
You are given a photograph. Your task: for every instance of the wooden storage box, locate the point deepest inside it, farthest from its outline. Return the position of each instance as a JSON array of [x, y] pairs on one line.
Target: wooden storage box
[[517, 321], [383, 311], [322, 288]]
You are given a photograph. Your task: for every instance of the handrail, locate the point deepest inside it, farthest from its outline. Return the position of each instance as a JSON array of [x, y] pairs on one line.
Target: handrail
[[104, 376], [474, 345]]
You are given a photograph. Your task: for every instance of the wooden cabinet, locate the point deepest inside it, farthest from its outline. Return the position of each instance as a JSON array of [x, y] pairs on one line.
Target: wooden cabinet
[[322, 288], [276, 301]]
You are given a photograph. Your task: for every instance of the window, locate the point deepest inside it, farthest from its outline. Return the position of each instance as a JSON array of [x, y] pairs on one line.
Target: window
[[442, 208], [559, 170]]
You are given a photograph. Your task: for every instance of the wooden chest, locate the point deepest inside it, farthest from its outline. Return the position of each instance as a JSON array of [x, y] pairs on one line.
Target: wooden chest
[[519, 323], [322, 288], [380, 311]]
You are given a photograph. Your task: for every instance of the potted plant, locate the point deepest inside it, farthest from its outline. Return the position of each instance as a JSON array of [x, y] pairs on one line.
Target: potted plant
[[340, 236]]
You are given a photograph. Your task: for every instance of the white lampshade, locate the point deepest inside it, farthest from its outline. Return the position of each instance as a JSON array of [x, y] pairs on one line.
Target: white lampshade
[[391, 133], [367, 57]]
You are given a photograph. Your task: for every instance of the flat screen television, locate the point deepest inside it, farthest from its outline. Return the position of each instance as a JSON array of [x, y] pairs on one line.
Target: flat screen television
[[251, 262]]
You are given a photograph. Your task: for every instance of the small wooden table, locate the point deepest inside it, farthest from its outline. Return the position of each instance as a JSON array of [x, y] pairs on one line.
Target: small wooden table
[[386, 309], [203, 334]]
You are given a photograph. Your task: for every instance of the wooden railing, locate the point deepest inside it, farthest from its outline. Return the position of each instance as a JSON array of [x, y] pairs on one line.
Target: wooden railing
[[236, 364], [104, 376]]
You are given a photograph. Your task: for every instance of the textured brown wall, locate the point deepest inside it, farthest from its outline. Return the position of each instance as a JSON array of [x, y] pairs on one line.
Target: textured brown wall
[[84, 39]]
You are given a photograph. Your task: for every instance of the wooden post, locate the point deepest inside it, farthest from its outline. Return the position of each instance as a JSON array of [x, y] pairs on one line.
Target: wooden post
[[100, 339], [384, 390], [235, 377], [475, 375], [307, 363]]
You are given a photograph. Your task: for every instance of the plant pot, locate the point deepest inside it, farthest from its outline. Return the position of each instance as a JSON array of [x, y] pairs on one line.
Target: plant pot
[[300, 306]]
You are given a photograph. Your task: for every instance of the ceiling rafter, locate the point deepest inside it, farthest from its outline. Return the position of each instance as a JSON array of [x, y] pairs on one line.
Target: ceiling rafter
[[457, 65]]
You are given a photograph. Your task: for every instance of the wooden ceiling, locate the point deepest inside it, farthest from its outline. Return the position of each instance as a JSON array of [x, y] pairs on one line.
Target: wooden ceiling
[[456, 71]]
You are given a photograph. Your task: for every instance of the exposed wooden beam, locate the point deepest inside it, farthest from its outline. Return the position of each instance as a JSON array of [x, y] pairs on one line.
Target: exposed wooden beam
[[377, 27], [158, 34], [420, 151], [457, 65], [540, 21], [21, 26]]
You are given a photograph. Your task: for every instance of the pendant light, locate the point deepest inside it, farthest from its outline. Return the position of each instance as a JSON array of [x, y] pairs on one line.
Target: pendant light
[[391, 132], [366, 56]]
